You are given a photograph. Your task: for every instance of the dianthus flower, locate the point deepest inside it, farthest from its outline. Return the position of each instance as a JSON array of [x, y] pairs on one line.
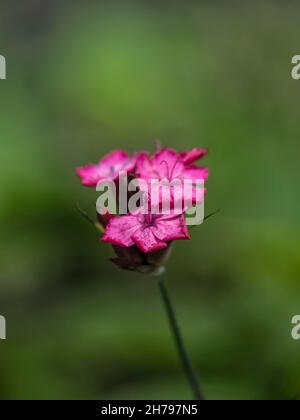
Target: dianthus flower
[[142, 240]]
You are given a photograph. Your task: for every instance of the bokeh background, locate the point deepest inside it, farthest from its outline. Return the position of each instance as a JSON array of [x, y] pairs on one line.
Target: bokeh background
[[88, 77]]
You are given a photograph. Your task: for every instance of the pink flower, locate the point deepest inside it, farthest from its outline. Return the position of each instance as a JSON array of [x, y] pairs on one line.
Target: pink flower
[[167, 164], [107, 169], [170, 164], [149, 233], [142, 242]]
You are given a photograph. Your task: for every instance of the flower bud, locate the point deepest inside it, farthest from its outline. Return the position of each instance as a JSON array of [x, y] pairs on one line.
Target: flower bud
[[133, 259]]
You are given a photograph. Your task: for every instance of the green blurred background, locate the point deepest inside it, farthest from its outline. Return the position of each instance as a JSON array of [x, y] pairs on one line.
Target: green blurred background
[[88, 77]]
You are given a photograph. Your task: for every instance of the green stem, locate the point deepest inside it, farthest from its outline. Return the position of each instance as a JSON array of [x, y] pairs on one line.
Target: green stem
[[186, 363]]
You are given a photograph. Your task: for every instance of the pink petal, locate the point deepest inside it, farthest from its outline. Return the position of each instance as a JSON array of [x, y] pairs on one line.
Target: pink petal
[[170, 228], [164, 162], [144, 168], [190, 156], [195, 173], [147, 241], [91, 174], [117, 160], [107, 169], [120, 230]]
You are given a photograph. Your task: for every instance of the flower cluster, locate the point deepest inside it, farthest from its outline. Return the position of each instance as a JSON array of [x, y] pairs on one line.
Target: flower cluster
[[140, 238]]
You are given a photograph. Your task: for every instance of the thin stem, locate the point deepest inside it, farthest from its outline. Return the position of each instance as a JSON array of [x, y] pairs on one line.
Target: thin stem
[[186, 363]]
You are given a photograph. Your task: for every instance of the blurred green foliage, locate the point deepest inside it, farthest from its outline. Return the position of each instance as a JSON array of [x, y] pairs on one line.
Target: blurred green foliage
[[87, 78]]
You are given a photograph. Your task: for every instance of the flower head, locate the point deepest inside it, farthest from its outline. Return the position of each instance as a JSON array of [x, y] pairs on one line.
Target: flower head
[[142, 239]]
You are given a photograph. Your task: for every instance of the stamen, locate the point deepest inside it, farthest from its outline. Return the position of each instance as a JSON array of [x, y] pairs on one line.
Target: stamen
[[167, 165], [174, 167]]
